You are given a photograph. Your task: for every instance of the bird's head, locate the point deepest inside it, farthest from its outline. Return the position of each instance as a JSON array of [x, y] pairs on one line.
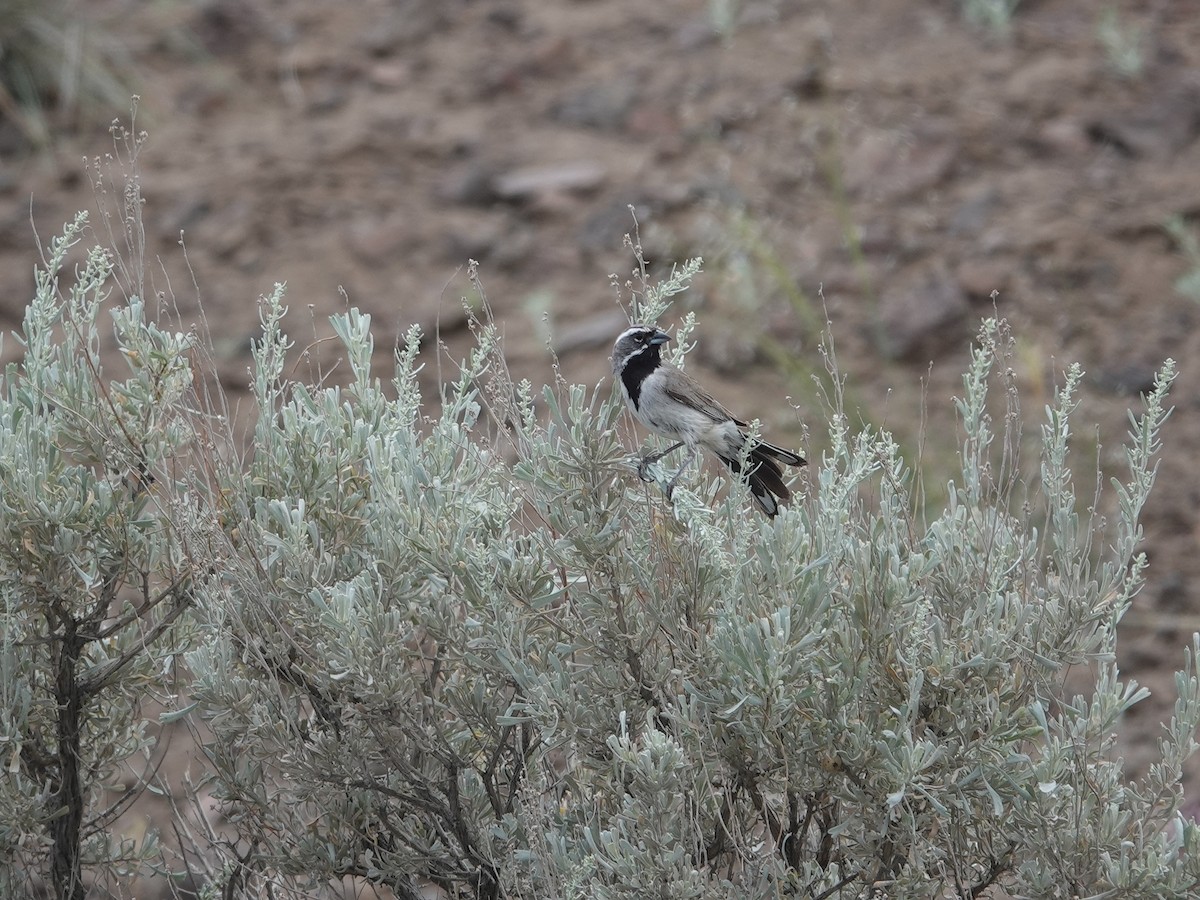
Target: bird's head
[[635, 340]]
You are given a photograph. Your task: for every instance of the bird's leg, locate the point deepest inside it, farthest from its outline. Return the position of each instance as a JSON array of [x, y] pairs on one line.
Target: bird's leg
[[687, 459], [648, 461]]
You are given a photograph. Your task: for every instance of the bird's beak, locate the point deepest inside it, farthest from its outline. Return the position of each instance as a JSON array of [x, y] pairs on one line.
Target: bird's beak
[[660, 337]]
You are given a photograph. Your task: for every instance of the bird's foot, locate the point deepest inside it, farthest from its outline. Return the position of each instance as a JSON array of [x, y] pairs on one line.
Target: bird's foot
[[645, 462], [643, 469]]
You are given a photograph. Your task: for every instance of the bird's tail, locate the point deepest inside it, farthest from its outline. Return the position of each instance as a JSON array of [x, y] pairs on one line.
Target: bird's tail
[[764, 474]]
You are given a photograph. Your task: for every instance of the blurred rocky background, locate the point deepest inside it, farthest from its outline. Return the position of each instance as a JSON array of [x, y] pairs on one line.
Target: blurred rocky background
[[898, 167]]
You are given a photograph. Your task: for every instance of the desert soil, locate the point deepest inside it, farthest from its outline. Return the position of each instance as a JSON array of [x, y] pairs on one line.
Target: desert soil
[[915, 171]]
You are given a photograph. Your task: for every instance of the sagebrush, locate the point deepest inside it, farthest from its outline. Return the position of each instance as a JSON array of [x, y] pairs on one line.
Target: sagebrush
[[460, 646]]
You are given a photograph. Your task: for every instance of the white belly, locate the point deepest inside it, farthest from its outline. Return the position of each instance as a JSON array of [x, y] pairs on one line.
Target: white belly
[[670, 418]]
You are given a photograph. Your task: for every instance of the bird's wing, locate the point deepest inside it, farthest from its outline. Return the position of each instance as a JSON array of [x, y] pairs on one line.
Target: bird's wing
[[681, 388]]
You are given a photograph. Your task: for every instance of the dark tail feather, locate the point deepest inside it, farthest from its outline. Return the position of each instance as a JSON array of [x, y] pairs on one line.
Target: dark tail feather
[[787, 457], [765, 476]]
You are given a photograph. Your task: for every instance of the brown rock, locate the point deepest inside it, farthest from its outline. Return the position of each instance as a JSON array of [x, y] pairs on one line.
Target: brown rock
[[602, 106], [1155, 129], [919, 319], [1066, 135], [1047, 85], [979, 277], [470, 184], [379, 241], [890, 165], [581, 176]]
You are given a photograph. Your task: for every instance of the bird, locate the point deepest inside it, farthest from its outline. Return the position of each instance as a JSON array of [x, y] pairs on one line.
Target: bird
[[669, 402]]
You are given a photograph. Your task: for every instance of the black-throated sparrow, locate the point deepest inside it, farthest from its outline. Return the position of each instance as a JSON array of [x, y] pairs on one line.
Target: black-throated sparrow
[[667, 401]]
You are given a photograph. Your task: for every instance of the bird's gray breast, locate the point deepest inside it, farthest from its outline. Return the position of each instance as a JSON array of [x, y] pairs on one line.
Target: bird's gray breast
[[663, 410]]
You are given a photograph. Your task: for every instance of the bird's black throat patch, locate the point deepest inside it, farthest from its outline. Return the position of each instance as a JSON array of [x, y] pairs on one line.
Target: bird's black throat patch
[[637, 367]]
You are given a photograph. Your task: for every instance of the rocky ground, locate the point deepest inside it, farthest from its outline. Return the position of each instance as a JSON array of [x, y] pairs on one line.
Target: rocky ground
[[914, 170]]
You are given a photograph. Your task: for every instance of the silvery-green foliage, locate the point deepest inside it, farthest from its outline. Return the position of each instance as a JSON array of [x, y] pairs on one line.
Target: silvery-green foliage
[[93, 580], [471, 649]]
